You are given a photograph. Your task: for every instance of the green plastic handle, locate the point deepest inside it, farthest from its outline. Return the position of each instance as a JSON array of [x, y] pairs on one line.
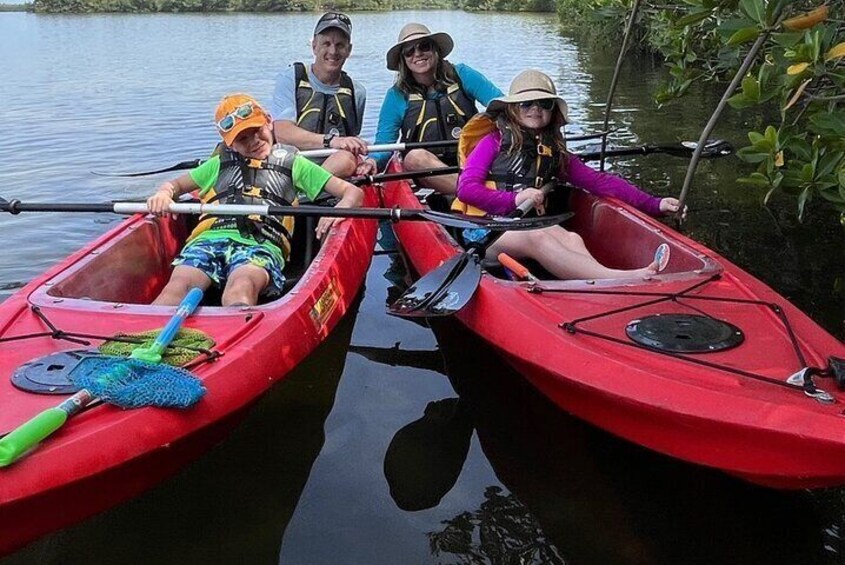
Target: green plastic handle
[[29, 434]]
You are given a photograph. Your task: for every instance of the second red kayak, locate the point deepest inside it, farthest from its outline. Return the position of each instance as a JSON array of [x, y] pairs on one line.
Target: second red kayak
[[702, 362]]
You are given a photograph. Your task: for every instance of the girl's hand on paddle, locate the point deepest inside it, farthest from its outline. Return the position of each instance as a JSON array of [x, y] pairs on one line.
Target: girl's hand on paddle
[[671, 206], [536, 196], [159, 203]]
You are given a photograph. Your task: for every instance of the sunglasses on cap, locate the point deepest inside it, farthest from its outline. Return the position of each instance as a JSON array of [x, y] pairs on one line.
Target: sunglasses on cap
[[331, 16], [242, 112], [544, 104], [424, 46]]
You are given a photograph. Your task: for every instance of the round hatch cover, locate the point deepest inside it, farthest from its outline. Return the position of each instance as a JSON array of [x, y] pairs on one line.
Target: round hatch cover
[[684, 333], [50, 374]]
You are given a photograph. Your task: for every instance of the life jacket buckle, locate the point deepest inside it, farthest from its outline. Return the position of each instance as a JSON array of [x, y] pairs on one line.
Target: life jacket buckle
[[252, 191]]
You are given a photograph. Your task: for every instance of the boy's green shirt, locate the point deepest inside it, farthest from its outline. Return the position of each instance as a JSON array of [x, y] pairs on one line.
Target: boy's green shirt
[[308, 178]]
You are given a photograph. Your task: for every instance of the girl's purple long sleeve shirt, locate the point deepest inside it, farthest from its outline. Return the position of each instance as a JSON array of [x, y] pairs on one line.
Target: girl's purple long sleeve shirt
[[473, 191]]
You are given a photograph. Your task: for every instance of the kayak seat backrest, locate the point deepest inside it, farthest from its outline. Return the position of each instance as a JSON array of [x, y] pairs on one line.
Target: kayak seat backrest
[[620, 239], [304, 248], [130, 268]]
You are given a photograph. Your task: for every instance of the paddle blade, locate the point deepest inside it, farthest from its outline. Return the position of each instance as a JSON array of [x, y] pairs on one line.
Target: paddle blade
[[443, 291]]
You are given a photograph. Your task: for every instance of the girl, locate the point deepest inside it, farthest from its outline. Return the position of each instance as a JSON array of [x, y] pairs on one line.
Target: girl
[[431, 101], [520, 148]]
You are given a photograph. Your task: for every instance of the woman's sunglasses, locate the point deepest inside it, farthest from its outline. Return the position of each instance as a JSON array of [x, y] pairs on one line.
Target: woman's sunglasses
[[242, 112], [424, 46], [545, 104]]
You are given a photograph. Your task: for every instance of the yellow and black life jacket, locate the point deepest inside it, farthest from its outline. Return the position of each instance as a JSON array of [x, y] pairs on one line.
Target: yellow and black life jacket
[[438, 119], [532, 166], [326, 113], [254, 182]]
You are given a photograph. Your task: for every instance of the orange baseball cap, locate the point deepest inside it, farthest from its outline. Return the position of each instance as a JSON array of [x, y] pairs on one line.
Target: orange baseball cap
[[237, 112]]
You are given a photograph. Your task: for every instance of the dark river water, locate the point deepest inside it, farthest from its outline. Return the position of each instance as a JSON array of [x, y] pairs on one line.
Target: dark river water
[[396, 442]]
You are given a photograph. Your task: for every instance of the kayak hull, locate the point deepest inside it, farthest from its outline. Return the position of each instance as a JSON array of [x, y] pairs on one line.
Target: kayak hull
[[105, 454], [729, 409]]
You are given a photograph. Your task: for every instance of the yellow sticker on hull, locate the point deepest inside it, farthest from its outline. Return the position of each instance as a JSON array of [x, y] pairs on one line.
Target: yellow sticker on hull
[[325, 305]]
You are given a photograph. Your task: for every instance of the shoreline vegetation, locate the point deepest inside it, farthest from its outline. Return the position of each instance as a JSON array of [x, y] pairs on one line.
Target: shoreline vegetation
[[176, 6], [28, 7]]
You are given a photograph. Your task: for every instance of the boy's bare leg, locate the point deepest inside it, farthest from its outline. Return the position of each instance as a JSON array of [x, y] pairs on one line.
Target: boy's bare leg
[[244, 285], [183, 279]]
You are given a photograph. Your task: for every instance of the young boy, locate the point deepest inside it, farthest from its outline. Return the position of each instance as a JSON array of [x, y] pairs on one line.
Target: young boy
[[244, 256]]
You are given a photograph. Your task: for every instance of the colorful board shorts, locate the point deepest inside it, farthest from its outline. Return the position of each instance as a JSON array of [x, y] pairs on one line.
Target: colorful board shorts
[[218, 258]]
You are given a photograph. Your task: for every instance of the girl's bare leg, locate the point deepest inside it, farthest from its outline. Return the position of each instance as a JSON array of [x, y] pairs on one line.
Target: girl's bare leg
[[561, 255]]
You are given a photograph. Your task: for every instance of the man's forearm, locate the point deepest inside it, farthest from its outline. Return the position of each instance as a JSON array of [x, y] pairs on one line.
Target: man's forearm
[[291, 134]]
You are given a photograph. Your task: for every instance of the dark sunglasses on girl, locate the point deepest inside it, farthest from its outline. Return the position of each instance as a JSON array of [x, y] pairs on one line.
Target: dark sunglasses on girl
[[424, 46], [242, 112], [545, 103]]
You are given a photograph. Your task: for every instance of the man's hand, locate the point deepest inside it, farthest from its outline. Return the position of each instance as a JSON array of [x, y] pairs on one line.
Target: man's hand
[[354, 145]]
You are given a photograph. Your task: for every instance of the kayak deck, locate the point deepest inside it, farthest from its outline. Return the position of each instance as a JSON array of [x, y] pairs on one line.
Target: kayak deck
[[730, 408], [105, 455]]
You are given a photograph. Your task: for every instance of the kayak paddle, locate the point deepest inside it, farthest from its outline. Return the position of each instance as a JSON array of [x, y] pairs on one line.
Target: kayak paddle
[[449, 287], [128, 383], [713, 148], [393, 214]]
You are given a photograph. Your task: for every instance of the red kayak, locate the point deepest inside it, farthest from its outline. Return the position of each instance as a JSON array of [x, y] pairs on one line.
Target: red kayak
[[702, 362], [105, 454]]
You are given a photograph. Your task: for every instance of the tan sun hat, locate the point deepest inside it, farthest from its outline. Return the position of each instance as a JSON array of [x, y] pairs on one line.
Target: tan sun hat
[[530, 85], [414, 32]]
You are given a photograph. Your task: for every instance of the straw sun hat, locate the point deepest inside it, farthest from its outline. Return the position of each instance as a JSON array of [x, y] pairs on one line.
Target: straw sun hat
[[412, 33], [530, 85]]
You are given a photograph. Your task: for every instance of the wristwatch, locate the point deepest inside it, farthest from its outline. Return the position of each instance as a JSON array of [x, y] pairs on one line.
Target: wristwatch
[[327, 139]]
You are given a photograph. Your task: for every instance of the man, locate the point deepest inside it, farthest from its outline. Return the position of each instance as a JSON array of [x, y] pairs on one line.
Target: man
[[320, 106]]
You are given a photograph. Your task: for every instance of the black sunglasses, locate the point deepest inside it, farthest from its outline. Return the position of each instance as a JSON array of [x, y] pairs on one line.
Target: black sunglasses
[[343, 18], [545, 103], [424, 46]]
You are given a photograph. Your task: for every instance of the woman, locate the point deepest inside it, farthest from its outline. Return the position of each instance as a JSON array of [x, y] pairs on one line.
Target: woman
[[517, 147], [431, 101]]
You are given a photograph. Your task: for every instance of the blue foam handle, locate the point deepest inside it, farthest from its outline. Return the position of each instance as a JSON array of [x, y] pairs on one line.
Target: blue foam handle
[[185, 309]]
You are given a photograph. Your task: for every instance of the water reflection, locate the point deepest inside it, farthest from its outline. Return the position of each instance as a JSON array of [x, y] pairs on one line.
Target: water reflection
[[573, 493]]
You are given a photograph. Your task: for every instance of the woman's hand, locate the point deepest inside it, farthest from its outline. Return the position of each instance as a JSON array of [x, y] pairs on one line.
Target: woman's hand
[[671, 205], [366, 167], [159, 203], [536, 196]]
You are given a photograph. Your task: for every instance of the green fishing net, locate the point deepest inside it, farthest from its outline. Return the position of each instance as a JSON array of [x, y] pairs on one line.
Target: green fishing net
[[181, 351]]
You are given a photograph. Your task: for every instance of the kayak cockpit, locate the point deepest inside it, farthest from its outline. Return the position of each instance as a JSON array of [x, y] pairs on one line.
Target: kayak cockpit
[[132, 265], [619, 238]]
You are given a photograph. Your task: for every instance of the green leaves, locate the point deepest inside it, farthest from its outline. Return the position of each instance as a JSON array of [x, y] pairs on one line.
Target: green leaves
[[744, 35]]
